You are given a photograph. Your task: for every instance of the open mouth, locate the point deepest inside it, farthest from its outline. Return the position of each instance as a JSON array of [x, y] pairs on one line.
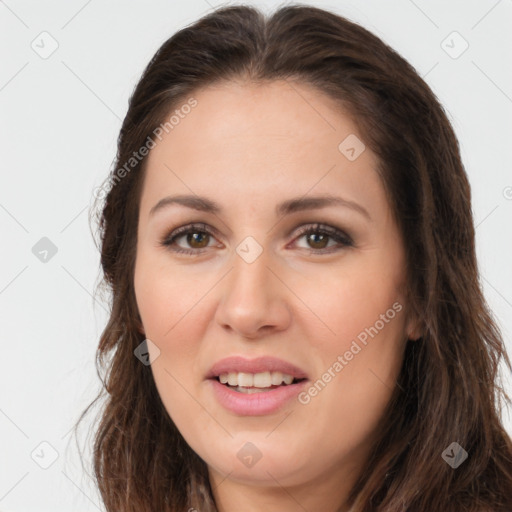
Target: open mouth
[[256, 383], [267, 385]]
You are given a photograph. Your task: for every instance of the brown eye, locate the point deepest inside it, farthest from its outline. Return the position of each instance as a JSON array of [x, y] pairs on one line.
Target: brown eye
[[318, 236], [196, 236], [317, 241]]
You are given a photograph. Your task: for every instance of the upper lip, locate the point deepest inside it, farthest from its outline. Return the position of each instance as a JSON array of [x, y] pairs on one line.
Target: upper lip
[[236, 364]]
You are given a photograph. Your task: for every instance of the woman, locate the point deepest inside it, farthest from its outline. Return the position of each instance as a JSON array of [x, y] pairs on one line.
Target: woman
[[297, 321]]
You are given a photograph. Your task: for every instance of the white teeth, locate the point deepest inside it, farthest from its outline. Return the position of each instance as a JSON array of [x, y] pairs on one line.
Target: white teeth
[[245, 379], [262, 380], [257, 380], [288, 379], [277, 378], [249, 391]]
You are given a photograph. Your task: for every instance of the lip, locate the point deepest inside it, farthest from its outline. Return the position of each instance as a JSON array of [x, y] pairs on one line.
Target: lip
[[256, 404], [238, 364]]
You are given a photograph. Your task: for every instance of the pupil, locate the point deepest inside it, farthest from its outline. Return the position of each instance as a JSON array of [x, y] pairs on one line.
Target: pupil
[[314, 237], [196, 237]]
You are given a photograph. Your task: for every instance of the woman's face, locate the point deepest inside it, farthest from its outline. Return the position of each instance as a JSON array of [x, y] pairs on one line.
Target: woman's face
[[326, 307]]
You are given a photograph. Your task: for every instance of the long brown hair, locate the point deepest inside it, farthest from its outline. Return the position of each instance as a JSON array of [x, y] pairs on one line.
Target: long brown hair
[[449, 387]]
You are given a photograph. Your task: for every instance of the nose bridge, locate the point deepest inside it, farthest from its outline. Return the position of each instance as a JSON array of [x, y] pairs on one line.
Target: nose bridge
[[252, 295], [250, 278]]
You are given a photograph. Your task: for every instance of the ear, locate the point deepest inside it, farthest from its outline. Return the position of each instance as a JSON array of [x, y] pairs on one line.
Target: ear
[[413, 328], [139, 326]]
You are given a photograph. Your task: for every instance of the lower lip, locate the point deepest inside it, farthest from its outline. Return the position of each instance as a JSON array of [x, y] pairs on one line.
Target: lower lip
[[255, 404]]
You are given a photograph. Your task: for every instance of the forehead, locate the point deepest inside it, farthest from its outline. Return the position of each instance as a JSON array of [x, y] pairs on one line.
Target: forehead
[[234, 115], [263, 140]]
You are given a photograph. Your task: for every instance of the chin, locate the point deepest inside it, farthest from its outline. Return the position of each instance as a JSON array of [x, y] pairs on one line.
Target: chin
[[246, 464]]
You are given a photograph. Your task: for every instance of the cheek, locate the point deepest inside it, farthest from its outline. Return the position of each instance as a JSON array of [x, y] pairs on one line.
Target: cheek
[[361, 354], [353, 302], [167, 299], [170, 309], [169, 305]]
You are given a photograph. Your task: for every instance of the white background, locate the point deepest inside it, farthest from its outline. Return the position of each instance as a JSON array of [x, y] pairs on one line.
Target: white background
[[59, 123]]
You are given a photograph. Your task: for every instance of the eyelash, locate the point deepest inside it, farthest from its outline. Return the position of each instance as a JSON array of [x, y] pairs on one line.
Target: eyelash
[[324, 229]]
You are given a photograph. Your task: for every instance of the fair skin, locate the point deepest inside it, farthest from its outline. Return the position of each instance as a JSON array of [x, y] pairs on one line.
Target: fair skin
[[248, 148]]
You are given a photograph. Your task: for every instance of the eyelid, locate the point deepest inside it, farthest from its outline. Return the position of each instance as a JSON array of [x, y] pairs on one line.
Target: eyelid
[[334, 233], [184, 230]]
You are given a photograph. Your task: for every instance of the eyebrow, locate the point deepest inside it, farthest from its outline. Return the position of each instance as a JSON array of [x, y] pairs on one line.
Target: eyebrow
[[287, 207]]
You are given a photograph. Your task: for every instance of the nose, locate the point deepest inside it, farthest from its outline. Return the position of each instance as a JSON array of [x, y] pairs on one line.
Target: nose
[[254, 299]]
